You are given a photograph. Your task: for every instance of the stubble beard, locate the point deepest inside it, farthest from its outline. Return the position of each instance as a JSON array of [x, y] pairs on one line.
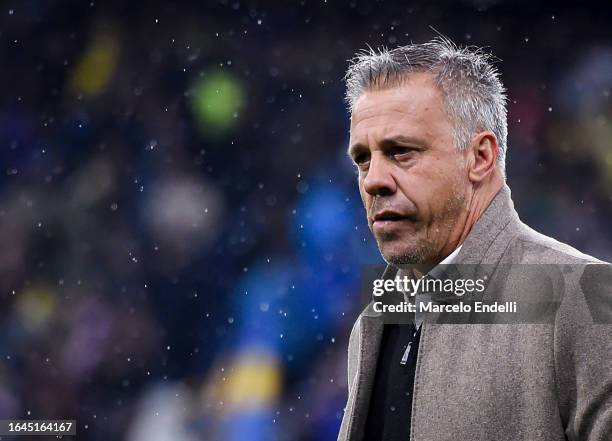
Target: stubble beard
[[425, 250]]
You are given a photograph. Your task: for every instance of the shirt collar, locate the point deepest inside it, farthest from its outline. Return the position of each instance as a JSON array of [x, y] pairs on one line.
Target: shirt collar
[[438, 269], [451, 257]]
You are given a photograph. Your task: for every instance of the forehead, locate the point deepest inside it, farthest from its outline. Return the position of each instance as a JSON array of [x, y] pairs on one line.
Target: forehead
[[414, 107]]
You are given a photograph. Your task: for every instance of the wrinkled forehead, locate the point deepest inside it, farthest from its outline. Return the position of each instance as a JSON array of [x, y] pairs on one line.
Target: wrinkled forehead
[[415, 105]]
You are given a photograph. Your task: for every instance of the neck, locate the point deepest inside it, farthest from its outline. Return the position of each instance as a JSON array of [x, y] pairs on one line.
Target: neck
[[480, 198]]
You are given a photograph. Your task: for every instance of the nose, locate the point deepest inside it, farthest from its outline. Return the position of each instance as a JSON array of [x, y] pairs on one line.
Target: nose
[[379, 180]]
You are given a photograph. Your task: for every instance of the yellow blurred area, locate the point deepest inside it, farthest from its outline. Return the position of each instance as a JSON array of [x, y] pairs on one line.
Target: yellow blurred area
[[35, 307], [97, 65], [587, 139], [253, 381]]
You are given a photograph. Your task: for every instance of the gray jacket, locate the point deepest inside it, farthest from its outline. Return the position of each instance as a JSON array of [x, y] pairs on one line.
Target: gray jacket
[[502, 382]]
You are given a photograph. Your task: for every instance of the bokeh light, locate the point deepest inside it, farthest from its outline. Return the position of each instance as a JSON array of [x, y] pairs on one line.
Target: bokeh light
[[216, 101]]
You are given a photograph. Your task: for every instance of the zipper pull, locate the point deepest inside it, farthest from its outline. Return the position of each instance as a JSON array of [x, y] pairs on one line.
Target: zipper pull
[[406, 353]]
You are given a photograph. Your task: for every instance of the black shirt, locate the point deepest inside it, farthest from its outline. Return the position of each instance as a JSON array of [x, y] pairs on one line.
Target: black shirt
[[391, 401]]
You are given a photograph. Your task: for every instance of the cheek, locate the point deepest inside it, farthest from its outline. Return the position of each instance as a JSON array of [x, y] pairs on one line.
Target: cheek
[[417, 185], [450, 192], [427, 185]]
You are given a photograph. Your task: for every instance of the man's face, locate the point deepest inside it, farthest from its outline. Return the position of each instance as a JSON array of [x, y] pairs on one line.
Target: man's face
[[412, 179]]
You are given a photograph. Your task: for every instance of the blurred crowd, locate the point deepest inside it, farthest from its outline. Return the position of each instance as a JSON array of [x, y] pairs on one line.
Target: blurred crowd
[[181, 232]]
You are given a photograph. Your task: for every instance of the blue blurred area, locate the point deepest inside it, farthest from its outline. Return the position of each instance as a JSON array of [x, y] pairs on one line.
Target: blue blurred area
[[181, 230]]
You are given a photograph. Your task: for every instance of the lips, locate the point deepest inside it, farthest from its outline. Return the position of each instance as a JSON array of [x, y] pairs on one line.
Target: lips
[[388, 215], [388, 221]]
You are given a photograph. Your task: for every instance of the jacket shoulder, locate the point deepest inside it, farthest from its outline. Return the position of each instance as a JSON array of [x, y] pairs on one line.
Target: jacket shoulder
[[531, 246]]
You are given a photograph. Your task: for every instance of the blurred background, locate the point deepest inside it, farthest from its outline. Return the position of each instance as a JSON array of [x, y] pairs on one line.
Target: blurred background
[[180, 230]]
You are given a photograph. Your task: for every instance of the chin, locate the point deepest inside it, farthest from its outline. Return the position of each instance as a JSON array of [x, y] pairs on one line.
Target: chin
[[397, 254], [403, 257]]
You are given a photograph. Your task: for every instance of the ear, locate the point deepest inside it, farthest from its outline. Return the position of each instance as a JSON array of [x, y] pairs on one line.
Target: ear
[[485, 151]]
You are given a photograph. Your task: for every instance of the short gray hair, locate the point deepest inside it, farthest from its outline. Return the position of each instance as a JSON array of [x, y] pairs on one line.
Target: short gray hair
[[474, 96]]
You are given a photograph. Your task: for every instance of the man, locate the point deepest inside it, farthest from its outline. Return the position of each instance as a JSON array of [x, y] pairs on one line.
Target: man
[[428, 136]]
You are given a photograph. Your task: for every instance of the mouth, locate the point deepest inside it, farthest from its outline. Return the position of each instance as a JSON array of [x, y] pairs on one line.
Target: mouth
[[388, 219]]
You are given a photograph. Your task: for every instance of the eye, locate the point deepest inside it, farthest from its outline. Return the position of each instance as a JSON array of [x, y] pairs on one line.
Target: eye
[[401, 153], [362, 159]]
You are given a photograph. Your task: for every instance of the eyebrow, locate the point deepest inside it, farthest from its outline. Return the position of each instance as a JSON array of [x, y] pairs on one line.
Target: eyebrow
[[388, 142]]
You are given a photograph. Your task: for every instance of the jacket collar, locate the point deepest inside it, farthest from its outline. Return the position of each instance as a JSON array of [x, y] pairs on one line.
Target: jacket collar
[[478, 246]]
